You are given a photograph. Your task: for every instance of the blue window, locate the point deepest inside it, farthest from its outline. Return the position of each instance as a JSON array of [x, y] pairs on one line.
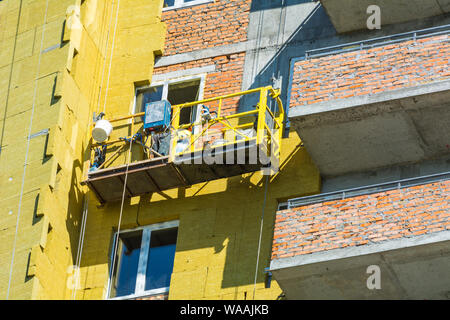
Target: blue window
[[127, 261], [176, 92], [169, 3], [144, 261], [160, 256], [146, 95]]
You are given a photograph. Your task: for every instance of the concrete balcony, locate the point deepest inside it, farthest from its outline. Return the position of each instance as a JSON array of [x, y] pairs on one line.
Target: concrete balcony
[[374, 104], [350, 15], [324, 244]]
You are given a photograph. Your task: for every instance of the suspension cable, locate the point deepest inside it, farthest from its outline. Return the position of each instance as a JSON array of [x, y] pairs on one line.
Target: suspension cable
[[80, 247], [104, 57], [27, 150], [76, 277], [111, 57], [116, 238]]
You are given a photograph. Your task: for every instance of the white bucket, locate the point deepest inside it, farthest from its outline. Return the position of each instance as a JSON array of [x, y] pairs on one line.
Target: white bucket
[[102, 130]]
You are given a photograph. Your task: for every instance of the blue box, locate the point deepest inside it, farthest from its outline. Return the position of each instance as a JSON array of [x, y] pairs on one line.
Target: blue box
[[157, 115]]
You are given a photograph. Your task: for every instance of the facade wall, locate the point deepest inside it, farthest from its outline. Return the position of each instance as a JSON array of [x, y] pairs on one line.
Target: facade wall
[[217, 243], [51, 75], [210, 25], [362, 220], [220, 22], [363, 72], [219, 221], [225, 79], [33, 71]]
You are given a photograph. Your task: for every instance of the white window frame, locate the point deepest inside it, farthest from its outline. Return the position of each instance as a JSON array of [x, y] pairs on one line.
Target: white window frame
[[139, 290], [165, 83], [181, 4]]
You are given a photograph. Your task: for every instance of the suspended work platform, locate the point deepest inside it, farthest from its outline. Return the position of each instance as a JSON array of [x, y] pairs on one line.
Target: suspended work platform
[[219, 147]]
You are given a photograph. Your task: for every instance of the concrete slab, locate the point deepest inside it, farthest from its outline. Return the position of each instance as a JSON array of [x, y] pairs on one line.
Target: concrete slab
[[351, 15], [419, 269], [403, 126]]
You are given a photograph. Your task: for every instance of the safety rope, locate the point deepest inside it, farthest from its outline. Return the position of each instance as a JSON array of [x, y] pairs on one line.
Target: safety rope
[[19, 210], [260, 233]]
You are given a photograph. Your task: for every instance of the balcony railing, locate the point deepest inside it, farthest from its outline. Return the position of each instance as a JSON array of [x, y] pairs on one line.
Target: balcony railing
[[378, 42], [375, 188], [265, 122]]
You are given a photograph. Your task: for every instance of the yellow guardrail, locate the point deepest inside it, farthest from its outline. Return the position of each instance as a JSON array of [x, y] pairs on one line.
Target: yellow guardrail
[[267, 124]]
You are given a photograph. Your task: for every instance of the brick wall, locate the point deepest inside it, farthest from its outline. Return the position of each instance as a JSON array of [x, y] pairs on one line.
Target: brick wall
[[369, 71], [361, 220], [208, 25], [226, 79]]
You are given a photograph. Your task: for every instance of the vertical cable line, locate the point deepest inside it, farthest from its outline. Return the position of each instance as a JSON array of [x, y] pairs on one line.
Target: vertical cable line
[[104, 57], [10, 75], [86, 202], [129, 151], [112, 53], [80, 246], [116, 238], [279, 44], [260, 234], [258, 44], [28, 149]]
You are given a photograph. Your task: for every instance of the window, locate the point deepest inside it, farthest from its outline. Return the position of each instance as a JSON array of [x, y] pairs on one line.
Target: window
[[144, 261], [147, 94], [174, 4], [283, 206], [176, 92]]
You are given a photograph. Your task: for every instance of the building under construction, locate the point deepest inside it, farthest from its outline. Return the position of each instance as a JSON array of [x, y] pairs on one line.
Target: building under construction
[[224, 149]]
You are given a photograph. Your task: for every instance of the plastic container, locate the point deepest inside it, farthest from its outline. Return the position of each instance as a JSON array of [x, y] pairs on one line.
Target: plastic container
[[102, 130]]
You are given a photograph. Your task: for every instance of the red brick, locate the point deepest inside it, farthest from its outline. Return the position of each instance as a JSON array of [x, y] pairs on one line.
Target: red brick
[[380, 69], [411, 211]]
